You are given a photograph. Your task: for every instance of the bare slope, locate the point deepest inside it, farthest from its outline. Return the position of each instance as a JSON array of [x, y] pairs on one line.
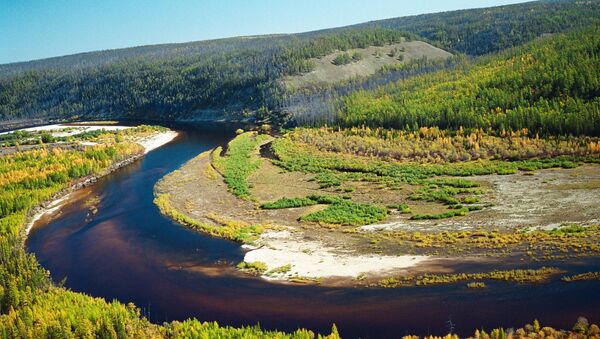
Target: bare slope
[[373, 59]]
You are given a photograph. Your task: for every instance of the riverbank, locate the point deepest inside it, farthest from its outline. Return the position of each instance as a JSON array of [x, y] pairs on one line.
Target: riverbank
[[53, 205], [127, 251], [351, 229]]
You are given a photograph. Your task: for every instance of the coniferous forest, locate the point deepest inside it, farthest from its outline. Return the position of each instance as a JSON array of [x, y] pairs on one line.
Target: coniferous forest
[[234, 78]]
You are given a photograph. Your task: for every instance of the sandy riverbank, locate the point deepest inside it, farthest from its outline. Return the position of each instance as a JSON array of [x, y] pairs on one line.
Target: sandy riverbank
[[157, 140], [151, 143], [313, 259], [63, 130]]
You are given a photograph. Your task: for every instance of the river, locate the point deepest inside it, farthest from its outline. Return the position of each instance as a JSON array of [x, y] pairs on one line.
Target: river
[[128, 251]]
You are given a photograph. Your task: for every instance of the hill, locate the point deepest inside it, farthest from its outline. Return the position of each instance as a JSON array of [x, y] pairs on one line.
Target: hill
[[537, 86], [363, 62], [233, 78]]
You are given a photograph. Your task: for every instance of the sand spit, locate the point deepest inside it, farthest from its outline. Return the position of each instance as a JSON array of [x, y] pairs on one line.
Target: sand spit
[[312, 259], [63, 130], [157, 140]]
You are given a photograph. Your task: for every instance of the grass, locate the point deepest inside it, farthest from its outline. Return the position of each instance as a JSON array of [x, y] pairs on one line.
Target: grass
[[236, 231], [568, 229], [296, 155], [300, 202], [341, 211], [452, 213], [402, 208], [516, 275], [535, 244], [582, 277], [239, 162], [255, 267], [280, 270], [358, 155]]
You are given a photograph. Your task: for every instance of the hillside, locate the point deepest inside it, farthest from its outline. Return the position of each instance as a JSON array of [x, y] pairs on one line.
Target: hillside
[[368, 61], [218, 79], [537, 86]]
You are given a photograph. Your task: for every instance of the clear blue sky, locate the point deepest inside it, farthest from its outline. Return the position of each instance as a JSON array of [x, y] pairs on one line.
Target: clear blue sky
[[34, 29]]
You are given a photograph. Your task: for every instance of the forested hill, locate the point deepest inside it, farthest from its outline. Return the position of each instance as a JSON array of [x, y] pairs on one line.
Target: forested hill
[[550, 86], [234, 78], [488, 30]]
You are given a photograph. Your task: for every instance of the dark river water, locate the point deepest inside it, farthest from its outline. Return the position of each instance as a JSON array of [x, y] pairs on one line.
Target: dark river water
[[130, 252]]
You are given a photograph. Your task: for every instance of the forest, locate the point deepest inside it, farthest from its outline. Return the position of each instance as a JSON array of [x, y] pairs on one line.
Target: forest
[[233, 78], [538, 87]]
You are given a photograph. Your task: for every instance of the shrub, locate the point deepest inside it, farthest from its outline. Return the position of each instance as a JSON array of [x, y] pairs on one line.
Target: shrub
[[255, 267], [288, 203], [347, 213], [342, 59]]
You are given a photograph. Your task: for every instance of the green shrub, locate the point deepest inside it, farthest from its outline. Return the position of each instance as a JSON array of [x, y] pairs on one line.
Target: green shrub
[[288, 203], [342, 59], [346, 212]]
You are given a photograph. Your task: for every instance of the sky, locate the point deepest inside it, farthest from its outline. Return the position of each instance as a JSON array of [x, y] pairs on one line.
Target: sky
[[35, 29]]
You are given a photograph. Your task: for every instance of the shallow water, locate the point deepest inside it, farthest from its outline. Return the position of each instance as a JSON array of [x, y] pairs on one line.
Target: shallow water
[[128, 251]]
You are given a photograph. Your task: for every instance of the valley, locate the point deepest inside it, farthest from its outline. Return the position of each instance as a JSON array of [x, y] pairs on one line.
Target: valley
[[426, 176]]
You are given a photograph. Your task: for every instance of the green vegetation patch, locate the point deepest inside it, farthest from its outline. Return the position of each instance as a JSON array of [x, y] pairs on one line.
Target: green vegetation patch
[[310, 200], [360, 154], [402, 208], [239, 162], [255, 267], [340, 211], [569, 229], [280, 270], [345, 212], [288, 203]]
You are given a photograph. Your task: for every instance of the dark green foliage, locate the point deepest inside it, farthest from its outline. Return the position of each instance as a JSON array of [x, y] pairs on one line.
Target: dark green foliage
[[301, 202], [568, 229], [454, 182], [325, 199], [445, 195], [343, 39]]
